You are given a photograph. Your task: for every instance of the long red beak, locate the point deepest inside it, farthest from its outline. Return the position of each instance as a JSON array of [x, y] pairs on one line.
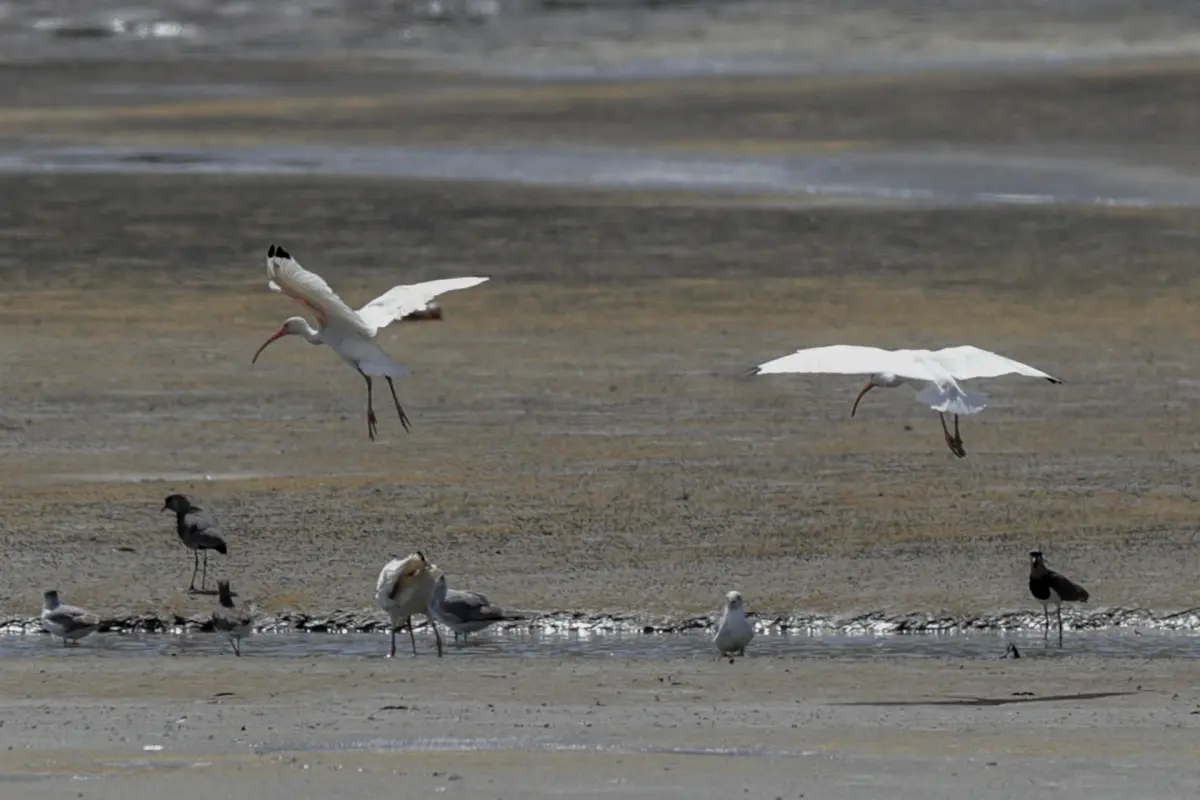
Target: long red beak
[[277, 335], [865, 389]]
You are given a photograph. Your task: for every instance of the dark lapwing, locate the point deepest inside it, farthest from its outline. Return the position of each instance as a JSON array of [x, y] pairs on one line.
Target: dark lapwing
[[1052, 589], [230, 620], [198, 530], [463, 611], [68, 622]]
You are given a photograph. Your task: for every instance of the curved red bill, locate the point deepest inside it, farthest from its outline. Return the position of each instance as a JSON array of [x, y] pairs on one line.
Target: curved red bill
[[278, 334], [865, 389]]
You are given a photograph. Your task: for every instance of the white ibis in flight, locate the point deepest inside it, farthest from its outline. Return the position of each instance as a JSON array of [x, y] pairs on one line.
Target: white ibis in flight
[[935, 373], [351, 333]]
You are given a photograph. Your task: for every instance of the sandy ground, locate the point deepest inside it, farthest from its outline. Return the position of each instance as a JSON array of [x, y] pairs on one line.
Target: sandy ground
[[584, 440], [1038, 727]]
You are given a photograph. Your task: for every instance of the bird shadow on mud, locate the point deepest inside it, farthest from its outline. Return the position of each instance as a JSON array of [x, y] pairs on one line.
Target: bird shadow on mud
[[988, 701]]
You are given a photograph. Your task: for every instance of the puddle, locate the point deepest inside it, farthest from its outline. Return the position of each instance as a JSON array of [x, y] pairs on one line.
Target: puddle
[[521, 645], [939, 177]]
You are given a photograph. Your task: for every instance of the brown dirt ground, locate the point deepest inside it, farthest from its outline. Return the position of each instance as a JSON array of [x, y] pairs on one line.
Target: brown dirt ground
[[583, 436]]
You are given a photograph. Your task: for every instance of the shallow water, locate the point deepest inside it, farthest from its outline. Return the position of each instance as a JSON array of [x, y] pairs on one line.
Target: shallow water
[[518, 645], [935, 176]]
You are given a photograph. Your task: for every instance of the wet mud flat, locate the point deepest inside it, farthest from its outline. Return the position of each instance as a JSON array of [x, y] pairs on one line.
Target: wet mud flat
[[585, 441], [584, 438], [466, 726]]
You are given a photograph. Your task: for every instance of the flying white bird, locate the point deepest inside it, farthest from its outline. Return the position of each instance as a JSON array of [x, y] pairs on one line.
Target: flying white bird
[[351, 333], [734, 631], [935, 373], [405, 587]]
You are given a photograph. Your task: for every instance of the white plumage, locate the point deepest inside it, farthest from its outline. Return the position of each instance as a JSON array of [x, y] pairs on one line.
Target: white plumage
[[351, 334], [935, 373], [70, 623], [734, 631], [405, 588]]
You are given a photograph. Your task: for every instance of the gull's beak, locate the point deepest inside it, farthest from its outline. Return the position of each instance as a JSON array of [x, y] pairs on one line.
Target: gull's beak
[[277, 335], [865, 389]]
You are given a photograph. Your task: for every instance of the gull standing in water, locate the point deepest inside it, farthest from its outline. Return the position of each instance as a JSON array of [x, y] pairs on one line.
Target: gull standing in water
[[69, 622], [350, 333], [734, 631], [404, 588], [230, 620], [464, 612], [198, 530]]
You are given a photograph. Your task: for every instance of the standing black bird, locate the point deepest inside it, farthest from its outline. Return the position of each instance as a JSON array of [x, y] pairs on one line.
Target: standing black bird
[[1052, 589], [198, 530]]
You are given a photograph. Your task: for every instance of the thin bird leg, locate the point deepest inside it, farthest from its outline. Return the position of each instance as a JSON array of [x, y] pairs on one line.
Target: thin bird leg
[[412, 637], [393, 653], [1059, 610], [1046, 627], [437, 636], [195, 568], [396, 400], [204, 573], [372, 424], [237, 650], [953, 442]]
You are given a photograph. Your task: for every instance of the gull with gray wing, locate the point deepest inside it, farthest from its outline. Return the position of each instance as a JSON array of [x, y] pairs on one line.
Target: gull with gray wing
[[71, 623], [463, 611]]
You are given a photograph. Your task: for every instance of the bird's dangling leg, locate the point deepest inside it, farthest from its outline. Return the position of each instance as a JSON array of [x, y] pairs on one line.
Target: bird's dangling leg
[[195, 569], [953, 442], [372, 425], [958, 442], [396, 400], [1059, 610], [412, 637]]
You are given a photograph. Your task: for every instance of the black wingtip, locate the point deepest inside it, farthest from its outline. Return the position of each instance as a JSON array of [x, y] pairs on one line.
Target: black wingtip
[[271, 251], [750, 373], [275, 251], [222, 549], [1054, 380]]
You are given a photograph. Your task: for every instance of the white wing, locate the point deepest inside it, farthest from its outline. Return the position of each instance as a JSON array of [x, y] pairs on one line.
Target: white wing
[[968, 362], [850, 359], [400, 301], [312, 292]]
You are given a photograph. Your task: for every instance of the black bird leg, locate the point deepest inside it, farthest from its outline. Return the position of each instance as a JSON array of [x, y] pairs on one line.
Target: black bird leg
[[412, 636], [954, 442], [372, 424], [1059, 610], [396, 400], [195, 568], [204, 573]]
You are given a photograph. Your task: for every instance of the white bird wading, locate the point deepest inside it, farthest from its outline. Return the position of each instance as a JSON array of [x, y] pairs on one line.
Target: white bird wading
[[935, 373], [351, 333], [734, 631]]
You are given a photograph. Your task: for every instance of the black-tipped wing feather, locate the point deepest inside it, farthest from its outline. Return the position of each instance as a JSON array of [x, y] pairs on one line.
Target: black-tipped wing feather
[[200, 531], [1067, 590]]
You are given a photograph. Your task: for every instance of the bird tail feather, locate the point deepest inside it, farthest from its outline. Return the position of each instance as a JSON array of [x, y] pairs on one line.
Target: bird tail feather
[[951, 400]]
